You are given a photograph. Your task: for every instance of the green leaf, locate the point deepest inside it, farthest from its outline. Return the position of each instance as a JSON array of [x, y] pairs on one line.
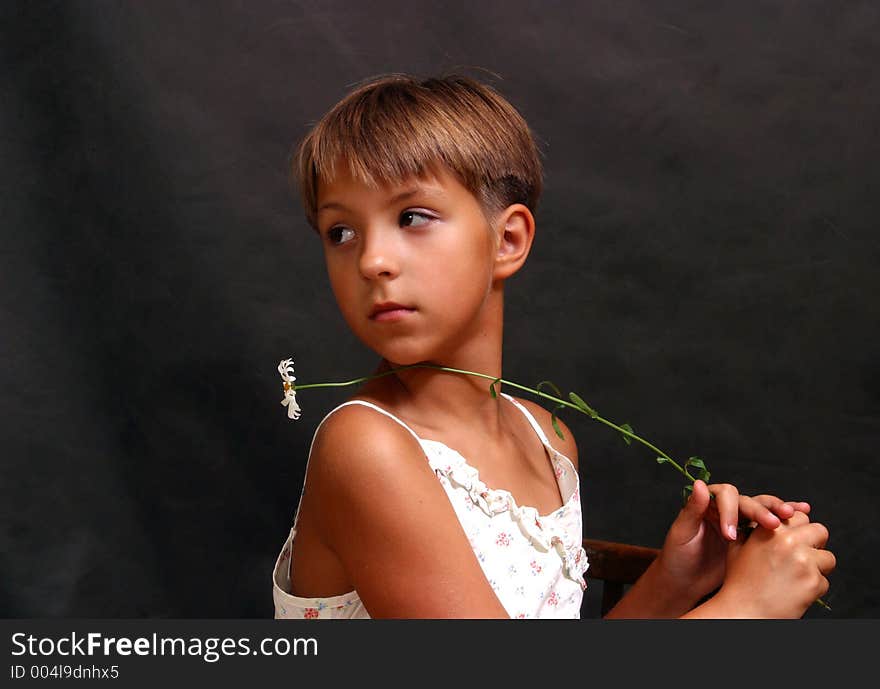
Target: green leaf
[[662, 460], [556, 390], [629, 428], [583, 406], [701, 472], [492, 388], [555, 423]]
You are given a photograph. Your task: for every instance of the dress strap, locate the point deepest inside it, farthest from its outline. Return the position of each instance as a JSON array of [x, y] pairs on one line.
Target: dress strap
[[531, 419], [378, 409], [344, 404]]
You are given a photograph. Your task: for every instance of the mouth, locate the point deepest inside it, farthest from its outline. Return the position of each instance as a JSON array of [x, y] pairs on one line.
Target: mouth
[[388, 311]]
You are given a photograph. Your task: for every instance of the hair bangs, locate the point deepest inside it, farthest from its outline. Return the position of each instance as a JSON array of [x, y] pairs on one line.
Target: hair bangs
[[396, 127]]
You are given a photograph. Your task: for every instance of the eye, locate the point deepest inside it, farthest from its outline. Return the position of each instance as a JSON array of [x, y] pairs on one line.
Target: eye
[[407, 217], [334, 231]]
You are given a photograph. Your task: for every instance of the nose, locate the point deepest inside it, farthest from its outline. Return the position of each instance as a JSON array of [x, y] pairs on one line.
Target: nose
[[379, 256]]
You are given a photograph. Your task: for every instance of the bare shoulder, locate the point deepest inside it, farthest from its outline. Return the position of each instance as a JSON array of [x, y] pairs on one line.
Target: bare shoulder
[[381, 510], [358, 450], [566, 445]]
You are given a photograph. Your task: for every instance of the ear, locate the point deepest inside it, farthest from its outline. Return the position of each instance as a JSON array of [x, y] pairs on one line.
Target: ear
[[515, 231]]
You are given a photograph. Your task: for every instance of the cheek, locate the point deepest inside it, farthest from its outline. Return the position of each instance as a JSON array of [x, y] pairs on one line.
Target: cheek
[[461, 280], [342, 288]]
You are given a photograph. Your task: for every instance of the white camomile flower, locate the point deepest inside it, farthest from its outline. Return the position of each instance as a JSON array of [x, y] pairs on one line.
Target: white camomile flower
[[285, 368]]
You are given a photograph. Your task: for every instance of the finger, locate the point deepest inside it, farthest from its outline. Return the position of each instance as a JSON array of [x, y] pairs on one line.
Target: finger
[[690, 519], [698, 503], [817, 534], [797, 519], [695, 508], [825, 561], [776, 505], [727, 504], [800, 506], [760, 510]]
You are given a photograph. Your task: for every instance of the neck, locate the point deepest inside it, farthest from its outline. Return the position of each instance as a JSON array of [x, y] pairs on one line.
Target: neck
[[445, 399]]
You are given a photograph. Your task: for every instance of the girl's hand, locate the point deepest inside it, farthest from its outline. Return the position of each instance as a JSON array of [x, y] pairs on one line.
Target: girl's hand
[[694, 554], [777, 573]]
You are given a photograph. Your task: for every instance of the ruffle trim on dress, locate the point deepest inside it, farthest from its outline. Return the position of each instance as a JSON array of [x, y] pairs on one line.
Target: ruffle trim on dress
[[574, 561], [494, 501]]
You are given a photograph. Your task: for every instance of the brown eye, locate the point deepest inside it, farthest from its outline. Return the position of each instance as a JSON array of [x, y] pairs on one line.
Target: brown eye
[[333, 232], [407, 218]]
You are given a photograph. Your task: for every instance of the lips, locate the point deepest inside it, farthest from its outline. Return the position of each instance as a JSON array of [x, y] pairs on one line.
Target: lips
[[388, 306]]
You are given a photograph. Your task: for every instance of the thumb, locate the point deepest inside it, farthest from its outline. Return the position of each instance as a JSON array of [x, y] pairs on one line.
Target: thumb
[[690, 519]]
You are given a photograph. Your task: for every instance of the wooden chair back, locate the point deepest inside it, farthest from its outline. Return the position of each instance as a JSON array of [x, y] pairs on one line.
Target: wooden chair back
[[616, 566]]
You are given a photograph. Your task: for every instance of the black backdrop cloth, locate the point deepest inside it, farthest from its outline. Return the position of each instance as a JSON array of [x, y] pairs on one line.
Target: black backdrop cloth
[[704, 268]]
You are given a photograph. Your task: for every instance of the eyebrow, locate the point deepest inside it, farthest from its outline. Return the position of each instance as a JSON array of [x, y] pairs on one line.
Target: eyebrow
[[401, 196]]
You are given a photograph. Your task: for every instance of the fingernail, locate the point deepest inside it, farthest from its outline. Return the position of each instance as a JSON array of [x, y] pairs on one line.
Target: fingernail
[[731, 531]]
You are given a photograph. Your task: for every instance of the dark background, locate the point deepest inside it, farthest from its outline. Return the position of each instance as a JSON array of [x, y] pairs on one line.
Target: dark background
[[705, 268]]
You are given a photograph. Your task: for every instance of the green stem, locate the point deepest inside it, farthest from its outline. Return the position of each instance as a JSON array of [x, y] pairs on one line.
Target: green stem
[[675, 464]]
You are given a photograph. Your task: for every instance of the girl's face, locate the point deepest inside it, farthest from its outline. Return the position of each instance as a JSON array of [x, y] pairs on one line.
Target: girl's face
[[424, 244]]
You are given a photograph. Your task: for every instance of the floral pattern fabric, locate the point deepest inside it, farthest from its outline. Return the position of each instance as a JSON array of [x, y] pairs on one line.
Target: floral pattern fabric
[[534, 563]]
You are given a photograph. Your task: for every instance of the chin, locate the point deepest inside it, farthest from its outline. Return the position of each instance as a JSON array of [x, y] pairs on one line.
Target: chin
[[406, 349], [409, 362], [398, 361], [403, 356]]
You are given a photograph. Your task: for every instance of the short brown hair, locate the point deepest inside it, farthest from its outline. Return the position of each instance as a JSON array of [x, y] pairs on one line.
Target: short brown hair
[[396, 126]]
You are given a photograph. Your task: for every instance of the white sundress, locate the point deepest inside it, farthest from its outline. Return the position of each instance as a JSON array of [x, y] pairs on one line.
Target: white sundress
[[534, 563]]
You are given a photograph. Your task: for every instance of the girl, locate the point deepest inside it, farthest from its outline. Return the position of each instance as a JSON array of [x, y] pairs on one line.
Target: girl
[[424, 496]]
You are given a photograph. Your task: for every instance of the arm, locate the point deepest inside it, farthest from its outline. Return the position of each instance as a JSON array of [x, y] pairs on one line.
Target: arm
[[380, 509], [699, 548], [775, 573]]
